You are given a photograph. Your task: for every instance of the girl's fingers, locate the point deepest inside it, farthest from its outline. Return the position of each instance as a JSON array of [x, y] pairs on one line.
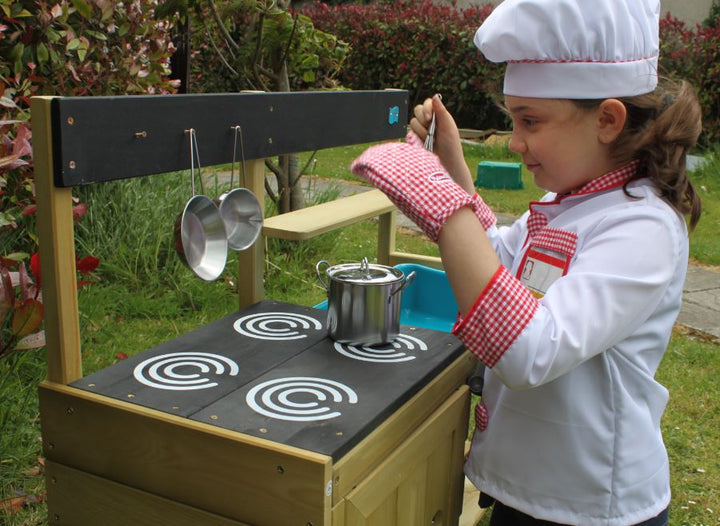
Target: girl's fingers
[[420, 130]]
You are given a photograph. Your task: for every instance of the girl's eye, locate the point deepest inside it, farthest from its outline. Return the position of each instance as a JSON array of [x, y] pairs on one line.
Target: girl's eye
[[529, 123]]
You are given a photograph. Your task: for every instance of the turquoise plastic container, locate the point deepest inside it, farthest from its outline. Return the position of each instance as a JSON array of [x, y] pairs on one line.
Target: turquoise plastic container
[[495, 174], [427, 302]]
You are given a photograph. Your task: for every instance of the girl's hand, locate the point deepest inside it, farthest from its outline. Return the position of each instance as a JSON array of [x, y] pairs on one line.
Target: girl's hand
[[418, 185], [447, 144]]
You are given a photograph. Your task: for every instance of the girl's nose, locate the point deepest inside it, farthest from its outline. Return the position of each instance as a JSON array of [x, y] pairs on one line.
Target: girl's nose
[[516, 143]]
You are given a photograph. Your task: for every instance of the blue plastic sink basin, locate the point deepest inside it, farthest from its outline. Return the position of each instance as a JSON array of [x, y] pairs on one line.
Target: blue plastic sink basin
[[427, 302]]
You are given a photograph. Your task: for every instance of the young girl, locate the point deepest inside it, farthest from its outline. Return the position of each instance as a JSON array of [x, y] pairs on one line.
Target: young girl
[[572, 307]]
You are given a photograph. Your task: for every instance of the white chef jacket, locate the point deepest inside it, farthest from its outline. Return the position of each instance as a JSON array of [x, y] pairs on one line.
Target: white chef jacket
[[571, 409]]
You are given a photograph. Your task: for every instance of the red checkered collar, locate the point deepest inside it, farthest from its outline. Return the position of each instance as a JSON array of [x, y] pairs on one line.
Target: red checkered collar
[[607, 181], [537, 220]]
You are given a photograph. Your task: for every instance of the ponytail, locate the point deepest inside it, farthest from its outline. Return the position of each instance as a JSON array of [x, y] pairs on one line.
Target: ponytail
[[661, 129]]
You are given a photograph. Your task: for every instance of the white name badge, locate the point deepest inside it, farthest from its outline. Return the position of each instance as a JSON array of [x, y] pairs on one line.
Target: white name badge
[[539, 269]]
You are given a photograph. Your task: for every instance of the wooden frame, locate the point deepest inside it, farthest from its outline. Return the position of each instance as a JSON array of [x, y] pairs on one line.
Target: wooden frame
[[109, 448], [87, 140]]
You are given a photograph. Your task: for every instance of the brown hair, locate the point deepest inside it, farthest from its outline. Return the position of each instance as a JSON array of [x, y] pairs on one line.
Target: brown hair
[[660, 130]]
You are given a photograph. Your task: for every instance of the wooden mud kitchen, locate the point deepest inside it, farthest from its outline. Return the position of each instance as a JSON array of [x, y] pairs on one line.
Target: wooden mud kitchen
[[257, 418]]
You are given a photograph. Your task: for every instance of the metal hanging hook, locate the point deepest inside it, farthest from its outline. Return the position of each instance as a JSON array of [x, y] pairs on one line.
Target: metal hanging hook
[[238, 132], [194, 153]]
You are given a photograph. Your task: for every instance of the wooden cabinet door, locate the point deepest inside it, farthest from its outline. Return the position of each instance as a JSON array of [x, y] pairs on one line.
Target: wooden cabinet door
[[421, 482]]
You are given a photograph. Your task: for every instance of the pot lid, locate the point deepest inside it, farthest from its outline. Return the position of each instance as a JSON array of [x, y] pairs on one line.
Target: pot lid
[[364, 273]]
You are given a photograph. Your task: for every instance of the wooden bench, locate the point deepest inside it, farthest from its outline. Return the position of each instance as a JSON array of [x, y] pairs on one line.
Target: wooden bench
[[325, 217]]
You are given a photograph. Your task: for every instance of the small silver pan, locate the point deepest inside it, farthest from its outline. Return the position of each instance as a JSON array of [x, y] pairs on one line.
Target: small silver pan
[[200, 236], [239, 208]]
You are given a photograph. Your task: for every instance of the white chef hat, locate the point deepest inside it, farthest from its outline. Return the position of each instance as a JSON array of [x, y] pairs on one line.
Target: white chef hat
[[574, 49]]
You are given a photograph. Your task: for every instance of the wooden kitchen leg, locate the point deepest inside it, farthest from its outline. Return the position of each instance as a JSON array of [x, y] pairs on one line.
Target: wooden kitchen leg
[[57, 253], [251, 262]]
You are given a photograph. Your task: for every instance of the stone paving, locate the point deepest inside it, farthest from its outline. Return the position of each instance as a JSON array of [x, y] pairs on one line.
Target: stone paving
[[701, 302]]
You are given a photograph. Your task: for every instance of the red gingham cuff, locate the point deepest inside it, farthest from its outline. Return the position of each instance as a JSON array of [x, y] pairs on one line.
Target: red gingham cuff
[[481, 416], [499, 315], [482, 211]]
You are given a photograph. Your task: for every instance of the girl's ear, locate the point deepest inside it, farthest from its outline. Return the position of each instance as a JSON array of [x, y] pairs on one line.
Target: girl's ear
[[612, 115]]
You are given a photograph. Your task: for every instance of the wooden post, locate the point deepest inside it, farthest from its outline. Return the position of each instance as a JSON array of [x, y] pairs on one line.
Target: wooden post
[[57, 254], [386, 237], [251, 262]]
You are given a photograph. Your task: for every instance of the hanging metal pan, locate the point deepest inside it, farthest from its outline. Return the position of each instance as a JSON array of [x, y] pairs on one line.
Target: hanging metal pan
[[239, 208], [200, 236], [242, 216]]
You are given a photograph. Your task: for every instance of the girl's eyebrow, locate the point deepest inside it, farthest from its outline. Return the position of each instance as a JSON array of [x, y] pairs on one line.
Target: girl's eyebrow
[[516, 109]]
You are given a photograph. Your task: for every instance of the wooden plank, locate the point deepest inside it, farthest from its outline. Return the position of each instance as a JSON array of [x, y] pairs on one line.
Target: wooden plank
[[457, 472], [57, 255], [312, 221], [432, 443], [411, 496], [244, 478], [403, 257], [442, 463], [105, 138], [338, 514], [353, 468], [76, 498]]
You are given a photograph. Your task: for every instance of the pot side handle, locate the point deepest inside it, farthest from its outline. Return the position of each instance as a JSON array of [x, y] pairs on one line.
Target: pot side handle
[[408, 279], [319, 273]]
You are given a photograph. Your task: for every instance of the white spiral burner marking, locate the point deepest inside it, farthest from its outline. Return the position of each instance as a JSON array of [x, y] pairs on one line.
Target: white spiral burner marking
[[392, 352], [274, 398], [276, 325], [160, 371]]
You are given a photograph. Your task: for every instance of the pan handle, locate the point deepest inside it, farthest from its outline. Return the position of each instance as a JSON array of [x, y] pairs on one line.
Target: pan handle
[[408, 279], [319, 273]]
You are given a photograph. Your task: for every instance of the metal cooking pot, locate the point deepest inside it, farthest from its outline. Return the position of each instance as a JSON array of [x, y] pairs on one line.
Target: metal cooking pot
[[363, 301]]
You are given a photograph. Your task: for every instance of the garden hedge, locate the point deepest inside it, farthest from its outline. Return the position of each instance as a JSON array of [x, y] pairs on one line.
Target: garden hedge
[[426, 47]]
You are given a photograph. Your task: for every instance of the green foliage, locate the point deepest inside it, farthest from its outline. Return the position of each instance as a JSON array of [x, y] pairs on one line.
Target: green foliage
[[87, 47], [20, 473], [713, 18], [93, 47], [427, 48], [129, 226], [243, 45], [422, 46], [17, 197], [693, 54]]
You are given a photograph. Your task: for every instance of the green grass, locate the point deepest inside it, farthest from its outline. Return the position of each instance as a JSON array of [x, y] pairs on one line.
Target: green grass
[[146, 296], [705, 241]]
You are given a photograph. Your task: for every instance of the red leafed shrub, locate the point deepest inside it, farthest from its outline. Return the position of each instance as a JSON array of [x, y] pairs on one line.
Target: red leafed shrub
[[83, 47], [707, 79], [427, 48], [69, 48], [420, 46], [694, 54]]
